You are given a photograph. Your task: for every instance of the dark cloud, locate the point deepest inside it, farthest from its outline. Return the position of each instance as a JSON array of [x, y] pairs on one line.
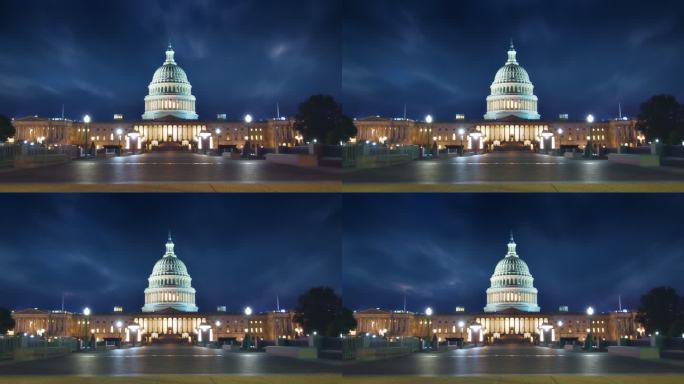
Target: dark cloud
[[100, 249], [240, 56], [440, 57], [440, 250]]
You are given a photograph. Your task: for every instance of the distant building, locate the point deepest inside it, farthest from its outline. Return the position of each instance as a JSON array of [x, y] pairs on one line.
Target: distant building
[[511, 315], [169, 122], [169, 314], [511, 122]]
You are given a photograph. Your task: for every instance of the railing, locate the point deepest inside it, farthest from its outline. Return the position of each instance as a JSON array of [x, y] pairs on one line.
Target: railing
[[30, 347], [10, 152], [374, 348], [369, 155]]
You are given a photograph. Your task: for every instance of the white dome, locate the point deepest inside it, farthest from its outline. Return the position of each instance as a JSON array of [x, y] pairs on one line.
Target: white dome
[[512, 284], [169, 284], [170, 92], [512, 92]]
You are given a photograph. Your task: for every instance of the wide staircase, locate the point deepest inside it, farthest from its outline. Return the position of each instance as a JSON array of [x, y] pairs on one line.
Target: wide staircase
[[169, 339], [512, 146], [511, 339]]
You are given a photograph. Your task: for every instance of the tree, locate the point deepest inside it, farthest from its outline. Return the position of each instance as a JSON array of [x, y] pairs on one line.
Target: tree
[[662, 117], [7, 130], [320, 310], [321, 118], [6, 321], [662, 309]]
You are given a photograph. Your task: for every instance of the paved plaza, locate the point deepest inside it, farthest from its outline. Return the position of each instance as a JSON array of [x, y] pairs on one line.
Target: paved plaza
[[160, 167], [512, 360], [168, 360], [503, 167]]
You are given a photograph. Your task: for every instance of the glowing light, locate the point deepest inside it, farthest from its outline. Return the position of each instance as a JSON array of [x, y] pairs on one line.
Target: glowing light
[[428, 119], [218, 131], [248, 118], [218, 323], [119, 324], [560, 323], [86, 119], [560, 131], [119, 131], [428, 311], [461, 131], [590, 118], [248, 311], [590, 311], [461, 324], [86, 311]]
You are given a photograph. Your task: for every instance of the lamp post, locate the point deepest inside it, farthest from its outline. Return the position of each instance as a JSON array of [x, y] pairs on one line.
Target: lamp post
[[247, 339], [590, 334], [428, 129], [86, 120], [590, 120], [248, 120], [461, 132], [560, 140], [461, 324], [428, 314], [86, 322], [119, 132], [218, 139]]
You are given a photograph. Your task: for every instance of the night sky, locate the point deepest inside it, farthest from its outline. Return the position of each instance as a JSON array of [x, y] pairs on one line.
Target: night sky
[[441, 250], [98, 57], [440, 57], [100, 249]]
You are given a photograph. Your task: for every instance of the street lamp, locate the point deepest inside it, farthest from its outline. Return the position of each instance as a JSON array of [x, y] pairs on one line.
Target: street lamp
[[248, 311], [248, 118], [590, 335], [560, 138], [218, 138], [461, 132], [590, 118], [86, 322], [86, 120]]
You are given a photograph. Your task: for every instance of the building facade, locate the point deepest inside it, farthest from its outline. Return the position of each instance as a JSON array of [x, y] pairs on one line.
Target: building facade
[[511, 314], [169, 314], [169, 121], [511, 122]]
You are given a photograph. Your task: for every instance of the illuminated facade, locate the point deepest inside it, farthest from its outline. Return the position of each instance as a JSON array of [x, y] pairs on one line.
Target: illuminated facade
[[169, 122], [169, 314], [511, 314], [511, 122]]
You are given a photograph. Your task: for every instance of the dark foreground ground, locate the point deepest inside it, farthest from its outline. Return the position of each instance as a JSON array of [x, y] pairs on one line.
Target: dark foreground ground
[[513, 167], [168, 360], [516, 360]]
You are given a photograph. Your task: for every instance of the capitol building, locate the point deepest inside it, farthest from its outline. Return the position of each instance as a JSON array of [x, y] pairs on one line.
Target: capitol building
[[169, 314], [170, 121], [512, 122], [512, 314]]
